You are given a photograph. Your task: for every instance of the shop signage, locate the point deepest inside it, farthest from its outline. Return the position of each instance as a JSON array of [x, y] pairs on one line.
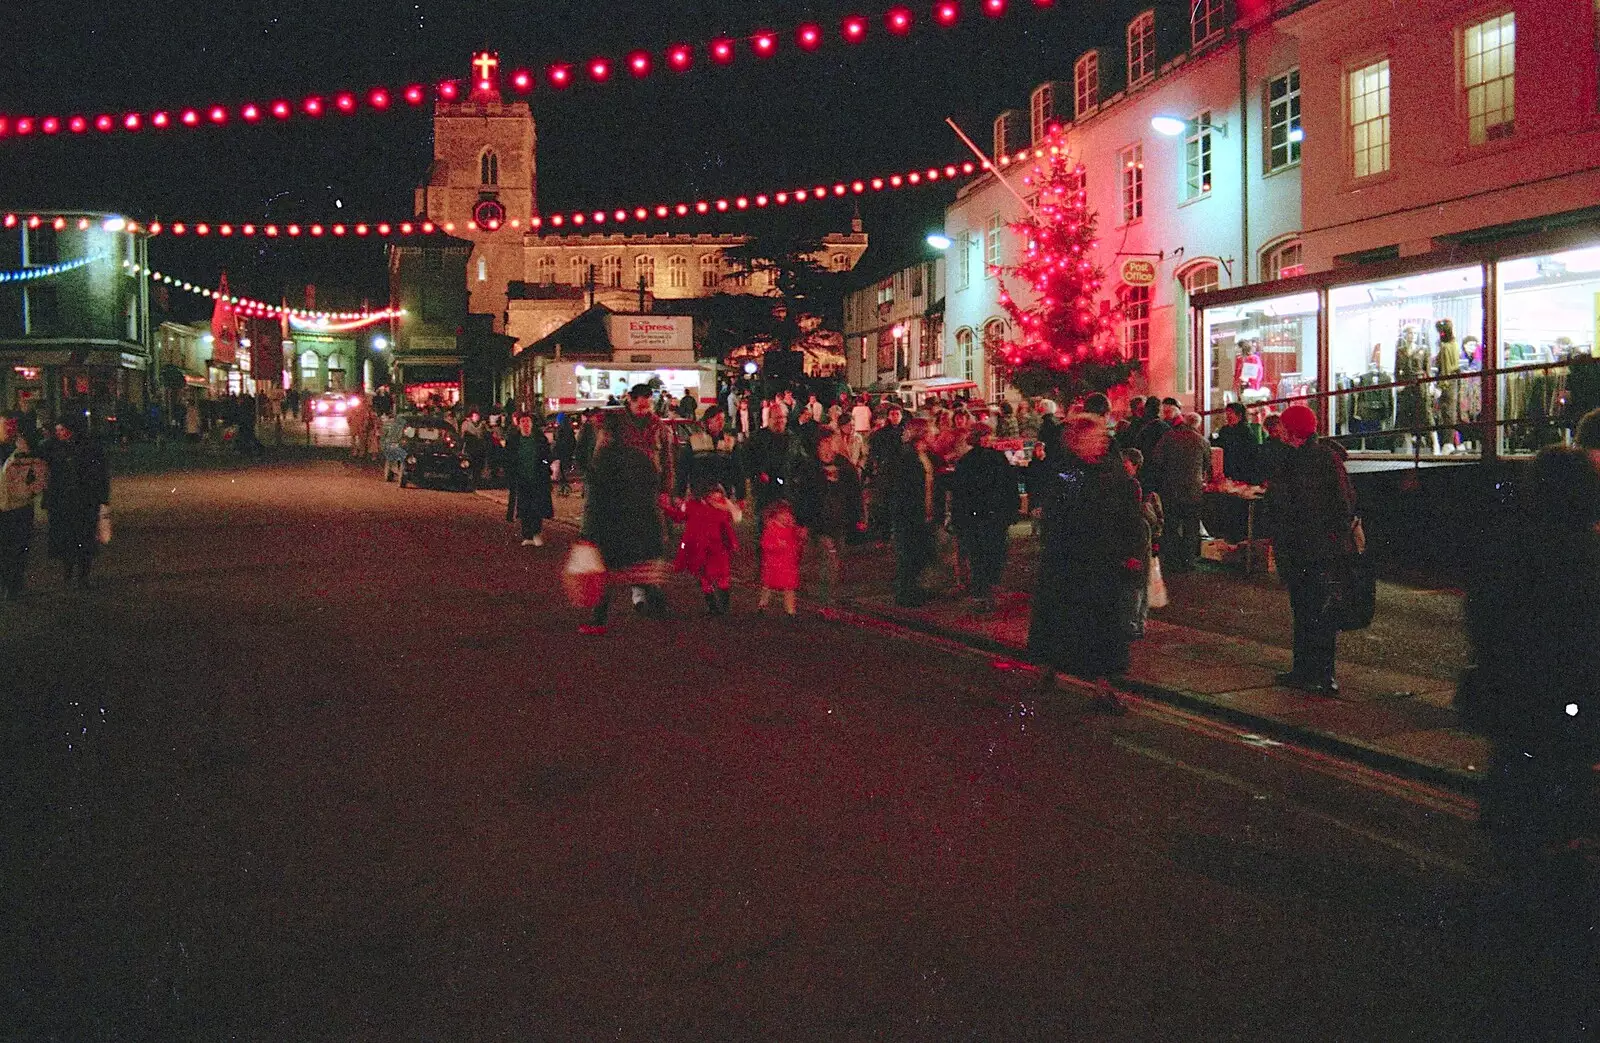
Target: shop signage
[[651, 333], [1136, 271]]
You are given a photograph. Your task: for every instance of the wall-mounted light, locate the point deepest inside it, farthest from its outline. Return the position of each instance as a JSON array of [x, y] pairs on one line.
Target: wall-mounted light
[[939, 241], [1167, 126]]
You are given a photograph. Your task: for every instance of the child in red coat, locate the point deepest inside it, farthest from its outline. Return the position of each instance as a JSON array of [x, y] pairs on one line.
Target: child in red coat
[[708, 544], [782, 540]]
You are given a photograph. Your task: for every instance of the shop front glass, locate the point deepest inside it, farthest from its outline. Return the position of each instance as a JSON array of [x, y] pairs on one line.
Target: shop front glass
[[1259, 350], [1408, 329], [1549, 315], [596, 384]]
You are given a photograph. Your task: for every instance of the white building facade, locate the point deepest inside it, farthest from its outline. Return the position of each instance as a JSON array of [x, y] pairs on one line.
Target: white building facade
[[1215, 205], [893, 329]]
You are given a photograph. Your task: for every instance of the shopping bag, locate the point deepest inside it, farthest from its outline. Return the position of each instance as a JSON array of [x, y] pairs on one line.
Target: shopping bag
[[1155, 586], [584, 577], [102, 529], [1352, 592]]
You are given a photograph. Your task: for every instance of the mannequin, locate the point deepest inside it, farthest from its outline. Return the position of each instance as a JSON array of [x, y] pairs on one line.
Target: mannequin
[[1374, 410], [1448, 364], [1248, 370], [1412, 402], [1471, 400]]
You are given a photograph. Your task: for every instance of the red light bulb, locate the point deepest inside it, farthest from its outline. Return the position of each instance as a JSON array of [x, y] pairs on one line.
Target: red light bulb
[[448, 90], [49, 124], [599, 70], [77, 124], [522, 80], [639, 63], [250, 113], [994, 8], [898, 21], [345, 103], [312, 106], [854, 29], [280, 109], [131, 121], [378, 98], [559, 75], [947, 12], [680, 57], [722, 50], [765, 43], [414, 95], [808, 36], [102, 123]]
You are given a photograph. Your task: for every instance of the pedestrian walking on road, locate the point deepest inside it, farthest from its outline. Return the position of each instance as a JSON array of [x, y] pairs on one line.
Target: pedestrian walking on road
[[23, 475], [983, 504], [79, 484], [628, 484], [782, 542], [1532, 612], [566, 450], [475, 443], [709, 543], [530, 481], [1310, 511], [1091, 555], [828, 506], [911, 513]]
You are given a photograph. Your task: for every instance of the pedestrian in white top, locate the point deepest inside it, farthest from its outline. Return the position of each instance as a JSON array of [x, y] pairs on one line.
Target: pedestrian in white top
[[861, 417]]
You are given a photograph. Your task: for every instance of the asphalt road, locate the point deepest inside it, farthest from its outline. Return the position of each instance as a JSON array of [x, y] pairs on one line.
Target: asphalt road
[[322, 759]]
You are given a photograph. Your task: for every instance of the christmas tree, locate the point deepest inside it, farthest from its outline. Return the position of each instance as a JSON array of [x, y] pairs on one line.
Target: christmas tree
[[1066, 344]]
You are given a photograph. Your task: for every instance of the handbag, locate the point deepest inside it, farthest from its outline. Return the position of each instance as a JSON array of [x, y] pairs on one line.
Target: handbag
[[102, 528], [584, 578], [1352, 585], [1155, 586]]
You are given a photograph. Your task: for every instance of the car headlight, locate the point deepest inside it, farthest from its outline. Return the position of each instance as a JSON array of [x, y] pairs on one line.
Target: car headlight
[[411, 460]]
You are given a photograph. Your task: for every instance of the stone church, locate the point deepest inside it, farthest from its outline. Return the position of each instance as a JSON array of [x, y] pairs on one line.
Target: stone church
[[532, 279]]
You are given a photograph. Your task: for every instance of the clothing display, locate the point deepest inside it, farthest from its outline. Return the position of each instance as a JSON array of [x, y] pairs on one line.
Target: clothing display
[[1413, 403], [1448, 392]]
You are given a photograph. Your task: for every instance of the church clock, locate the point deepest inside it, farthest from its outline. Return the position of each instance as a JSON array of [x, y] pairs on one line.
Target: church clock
[[489, 213]]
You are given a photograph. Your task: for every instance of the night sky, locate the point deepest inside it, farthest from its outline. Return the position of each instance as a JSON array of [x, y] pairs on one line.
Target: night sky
[[792, 120]]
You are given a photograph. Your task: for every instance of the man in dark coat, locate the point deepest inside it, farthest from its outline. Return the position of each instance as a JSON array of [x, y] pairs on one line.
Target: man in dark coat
[[566, 450], [1178, 469], [710, 455], [984, 503], [883, 449], [911, 511], [79, 485], [1152, 429], [530, 481], [1091, 554], [1239, 444], [770, 457], [629, 482], [1309, 512]]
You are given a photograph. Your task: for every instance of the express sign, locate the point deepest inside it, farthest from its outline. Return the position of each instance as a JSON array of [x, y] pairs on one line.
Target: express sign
[[1136, 271]]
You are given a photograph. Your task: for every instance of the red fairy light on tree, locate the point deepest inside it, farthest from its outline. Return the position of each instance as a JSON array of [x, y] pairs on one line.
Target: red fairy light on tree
[[1067, 344]]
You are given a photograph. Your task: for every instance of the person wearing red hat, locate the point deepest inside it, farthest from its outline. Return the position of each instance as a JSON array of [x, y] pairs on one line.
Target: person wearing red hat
[[1310, 509]]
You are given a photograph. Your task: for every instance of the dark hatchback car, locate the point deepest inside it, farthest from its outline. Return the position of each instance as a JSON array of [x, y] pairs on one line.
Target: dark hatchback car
[[433, 455]]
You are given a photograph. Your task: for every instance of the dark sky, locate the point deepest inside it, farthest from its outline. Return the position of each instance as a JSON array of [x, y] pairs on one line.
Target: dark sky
[[792, 120]]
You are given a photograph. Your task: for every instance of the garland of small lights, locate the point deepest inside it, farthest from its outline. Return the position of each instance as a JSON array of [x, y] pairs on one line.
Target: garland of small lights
[[898, 21], [253, 308], [47, 271], [574, 218]]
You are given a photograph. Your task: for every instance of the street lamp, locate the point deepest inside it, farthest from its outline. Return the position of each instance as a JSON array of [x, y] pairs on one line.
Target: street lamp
[[939, 241], [1167, 126], [380, 342]]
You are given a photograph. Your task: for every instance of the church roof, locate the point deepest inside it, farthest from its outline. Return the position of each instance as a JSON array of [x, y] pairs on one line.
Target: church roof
[[582, 336]]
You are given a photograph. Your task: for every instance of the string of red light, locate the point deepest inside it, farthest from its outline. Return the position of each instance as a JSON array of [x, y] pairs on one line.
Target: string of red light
[[305, 318], [897, 21], [538, 222]]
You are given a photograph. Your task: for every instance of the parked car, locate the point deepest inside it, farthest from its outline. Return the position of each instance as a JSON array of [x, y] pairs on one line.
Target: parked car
[[433, 455]]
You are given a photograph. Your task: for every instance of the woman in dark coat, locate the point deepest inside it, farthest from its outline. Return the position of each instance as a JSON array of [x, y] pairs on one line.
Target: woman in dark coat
[[1092, 552], [622, 517], [79, 485], [827, 503], [530, 480]]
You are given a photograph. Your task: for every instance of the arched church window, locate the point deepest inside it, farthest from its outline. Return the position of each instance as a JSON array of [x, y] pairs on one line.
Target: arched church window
[[611, 272], [547, 270], [489, 167], [677, 271], [644, 267], [580, 271], [710, 271]]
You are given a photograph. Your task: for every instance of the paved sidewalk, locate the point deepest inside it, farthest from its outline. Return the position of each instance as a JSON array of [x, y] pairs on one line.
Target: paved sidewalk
[[1215, 649]]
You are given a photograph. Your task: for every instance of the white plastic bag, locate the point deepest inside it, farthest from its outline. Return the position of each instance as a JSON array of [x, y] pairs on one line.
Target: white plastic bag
[[1155, 587], [584, 577]]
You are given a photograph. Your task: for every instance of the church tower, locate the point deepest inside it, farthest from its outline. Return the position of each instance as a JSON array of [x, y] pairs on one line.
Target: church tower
[[483, 181]]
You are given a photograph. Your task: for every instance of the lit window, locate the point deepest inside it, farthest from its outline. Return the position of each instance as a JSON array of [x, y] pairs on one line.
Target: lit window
[[991, 243], [483, 269], [1141, 48], [1283, 120], [1202, 278], [839, 262], [1085, 85], [1282, 260], [1132, 160], [580, 270], [1205, 24], [677, 272], [1197, 157], [644, 268], [1489, 75], [1041, 110], [611, 272], [1369, 119], [489, 168], [1136, 323], [710, 271], [547, 270]]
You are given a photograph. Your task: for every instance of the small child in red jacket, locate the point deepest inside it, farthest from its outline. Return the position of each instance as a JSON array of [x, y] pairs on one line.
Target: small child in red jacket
[[708, 544], [782, 540]]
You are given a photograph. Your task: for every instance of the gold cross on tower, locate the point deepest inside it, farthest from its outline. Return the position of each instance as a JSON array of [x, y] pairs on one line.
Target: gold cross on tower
[[485, 64]]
